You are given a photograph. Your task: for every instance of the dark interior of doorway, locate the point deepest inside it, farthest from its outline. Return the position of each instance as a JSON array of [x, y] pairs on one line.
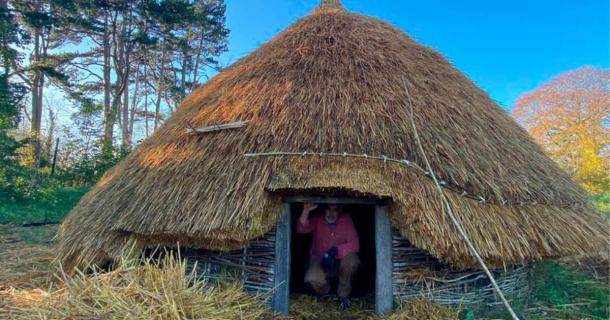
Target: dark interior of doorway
[[363, 283]]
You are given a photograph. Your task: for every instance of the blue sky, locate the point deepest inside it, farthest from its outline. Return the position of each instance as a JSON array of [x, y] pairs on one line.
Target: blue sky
[[506, 47]]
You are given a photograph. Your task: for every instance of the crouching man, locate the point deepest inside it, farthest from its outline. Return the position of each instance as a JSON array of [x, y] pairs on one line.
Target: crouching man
[[334, 250]]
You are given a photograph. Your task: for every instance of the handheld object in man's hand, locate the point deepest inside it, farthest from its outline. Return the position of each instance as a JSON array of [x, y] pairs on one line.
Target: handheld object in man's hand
[[329, 258]]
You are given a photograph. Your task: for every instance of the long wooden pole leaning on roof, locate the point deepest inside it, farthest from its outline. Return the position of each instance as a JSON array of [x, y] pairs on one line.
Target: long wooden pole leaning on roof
[[457, 224]]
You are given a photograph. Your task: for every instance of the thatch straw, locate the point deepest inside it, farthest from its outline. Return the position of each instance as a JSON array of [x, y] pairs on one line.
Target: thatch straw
[[144, 290], [332, 82]]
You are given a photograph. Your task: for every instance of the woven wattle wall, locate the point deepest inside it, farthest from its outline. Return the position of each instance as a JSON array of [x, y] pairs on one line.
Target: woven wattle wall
[[253, 265], [417, 274]]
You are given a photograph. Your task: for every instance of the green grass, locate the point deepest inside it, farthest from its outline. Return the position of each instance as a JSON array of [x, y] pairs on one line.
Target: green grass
[[557, 291], [564, 293], [44, 210]]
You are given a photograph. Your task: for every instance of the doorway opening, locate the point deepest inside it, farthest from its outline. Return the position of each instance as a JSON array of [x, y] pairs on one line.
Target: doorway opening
[[363, 282]]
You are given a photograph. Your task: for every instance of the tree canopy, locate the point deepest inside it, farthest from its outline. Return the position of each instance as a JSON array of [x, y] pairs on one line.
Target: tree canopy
[[119, 67], [569, 117]]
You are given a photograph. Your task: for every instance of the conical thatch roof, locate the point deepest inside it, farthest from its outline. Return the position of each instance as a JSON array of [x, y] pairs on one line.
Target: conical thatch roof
[[335, 82]]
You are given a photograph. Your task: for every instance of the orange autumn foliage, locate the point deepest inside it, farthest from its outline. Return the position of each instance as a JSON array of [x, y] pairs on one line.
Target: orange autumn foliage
[[569, 117]]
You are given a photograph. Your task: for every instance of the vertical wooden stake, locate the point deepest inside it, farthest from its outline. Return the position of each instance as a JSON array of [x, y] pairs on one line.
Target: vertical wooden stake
[[281, 283], [383, 246]]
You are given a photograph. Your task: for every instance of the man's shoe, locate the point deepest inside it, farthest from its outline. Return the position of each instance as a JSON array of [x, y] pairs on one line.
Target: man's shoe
[[344, 303]]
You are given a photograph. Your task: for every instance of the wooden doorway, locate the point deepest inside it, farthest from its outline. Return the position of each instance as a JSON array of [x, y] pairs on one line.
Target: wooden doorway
[[382, 251]]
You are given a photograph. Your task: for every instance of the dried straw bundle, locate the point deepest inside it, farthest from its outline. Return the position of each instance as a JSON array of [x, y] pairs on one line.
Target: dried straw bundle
[[333, 82], [144, 291]]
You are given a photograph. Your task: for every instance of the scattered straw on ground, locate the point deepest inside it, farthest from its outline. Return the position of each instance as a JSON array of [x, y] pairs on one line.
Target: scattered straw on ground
[[308, 307], [422, 309], [143, 290], [7, 235], [22, 264], [23, 268]]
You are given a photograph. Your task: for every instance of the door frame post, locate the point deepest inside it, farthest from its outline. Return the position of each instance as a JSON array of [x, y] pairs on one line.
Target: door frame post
[[281, 272], [383, 246]]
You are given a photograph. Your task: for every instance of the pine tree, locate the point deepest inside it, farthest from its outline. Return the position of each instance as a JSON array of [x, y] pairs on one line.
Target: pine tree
[[11, 96]]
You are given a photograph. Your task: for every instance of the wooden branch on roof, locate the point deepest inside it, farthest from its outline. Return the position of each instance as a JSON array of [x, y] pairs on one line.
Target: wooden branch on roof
[[217, 127]]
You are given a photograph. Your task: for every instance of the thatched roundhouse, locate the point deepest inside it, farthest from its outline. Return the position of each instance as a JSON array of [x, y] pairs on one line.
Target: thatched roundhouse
[[325, 106]]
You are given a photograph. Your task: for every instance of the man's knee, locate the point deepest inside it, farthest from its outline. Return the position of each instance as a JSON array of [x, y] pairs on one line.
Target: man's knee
[[315, 273], [350, 263], [320, 287], [317, 280]]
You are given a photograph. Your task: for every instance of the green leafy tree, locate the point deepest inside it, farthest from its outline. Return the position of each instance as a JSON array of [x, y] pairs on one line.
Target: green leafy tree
[[45, 25], [12, 176], [190, 35], [157, 48]]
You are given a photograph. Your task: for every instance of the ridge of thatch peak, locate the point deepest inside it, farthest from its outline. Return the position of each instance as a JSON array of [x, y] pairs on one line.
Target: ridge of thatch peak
[[329, 5]]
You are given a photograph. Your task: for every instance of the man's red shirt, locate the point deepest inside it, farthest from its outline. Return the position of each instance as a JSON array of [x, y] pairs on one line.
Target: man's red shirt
[[343, 235]]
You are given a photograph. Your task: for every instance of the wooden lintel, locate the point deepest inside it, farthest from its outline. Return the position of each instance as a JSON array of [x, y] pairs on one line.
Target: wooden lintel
[[337, 200]]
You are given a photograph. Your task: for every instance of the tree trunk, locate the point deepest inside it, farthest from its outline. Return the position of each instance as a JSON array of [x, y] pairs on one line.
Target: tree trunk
[[42, 58], [146, 100], [36, 99], [125, 110], [159, 87], [109, 114], [121, 70], [134, 106], [7, 64], [196, 68], [183, 89], [50, 134]]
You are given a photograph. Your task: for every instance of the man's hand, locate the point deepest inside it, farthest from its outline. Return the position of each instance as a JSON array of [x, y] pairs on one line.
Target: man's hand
[[329, 258], [307, 208]]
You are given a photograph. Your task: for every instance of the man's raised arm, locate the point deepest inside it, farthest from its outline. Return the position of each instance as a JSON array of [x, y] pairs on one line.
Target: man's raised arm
[[303, 226]]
